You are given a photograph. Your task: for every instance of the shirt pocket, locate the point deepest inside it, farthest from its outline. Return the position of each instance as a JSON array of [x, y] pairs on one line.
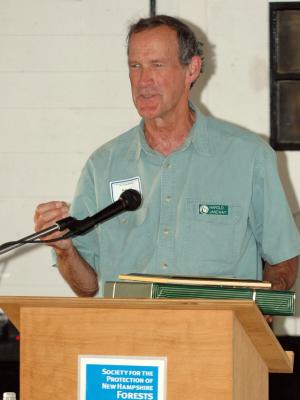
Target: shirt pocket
[[133, 219], [133, 232], [136, 240], [211, 230], [125, 242]]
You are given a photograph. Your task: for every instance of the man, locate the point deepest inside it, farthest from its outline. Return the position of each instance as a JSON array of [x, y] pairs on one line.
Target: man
[[212, 200]]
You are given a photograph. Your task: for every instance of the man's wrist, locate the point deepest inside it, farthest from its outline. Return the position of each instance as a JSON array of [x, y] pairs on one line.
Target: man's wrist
[[65, 253]]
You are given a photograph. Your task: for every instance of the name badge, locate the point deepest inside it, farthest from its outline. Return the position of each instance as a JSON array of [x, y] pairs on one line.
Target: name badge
[[118, 187], [213, 209]]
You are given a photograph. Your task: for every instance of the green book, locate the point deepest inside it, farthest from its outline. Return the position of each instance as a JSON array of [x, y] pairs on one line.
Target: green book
[[270, 302]]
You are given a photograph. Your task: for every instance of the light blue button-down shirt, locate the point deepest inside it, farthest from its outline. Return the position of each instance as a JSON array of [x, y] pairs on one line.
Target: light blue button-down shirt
[[214, 207]]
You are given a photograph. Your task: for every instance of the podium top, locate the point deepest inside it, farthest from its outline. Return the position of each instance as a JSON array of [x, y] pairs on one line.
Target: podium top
[[253, 322]]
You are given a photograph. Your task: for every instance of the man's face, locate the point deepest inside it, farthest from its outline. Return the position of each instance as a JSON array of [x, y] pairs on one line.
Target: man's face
[[159, 82]]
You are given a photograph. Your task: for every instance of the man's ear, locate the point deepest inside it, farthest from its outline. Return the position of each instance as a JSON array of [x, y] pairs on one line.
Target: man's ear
[[194, 69]]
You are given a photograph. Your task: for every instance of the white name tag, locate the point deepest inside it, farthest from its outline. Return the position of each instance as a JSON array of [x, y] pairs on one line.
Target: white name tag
[[118, 187]]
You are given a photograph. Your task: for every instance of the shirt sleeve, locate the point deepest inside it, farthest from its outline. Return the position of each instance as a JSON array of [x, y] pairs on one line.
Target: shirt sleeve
[[270, 216]]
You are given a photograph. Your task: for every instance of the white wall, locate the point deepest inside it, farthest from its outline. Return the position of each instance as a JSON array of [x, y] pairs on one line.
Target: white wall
[[65, 91]]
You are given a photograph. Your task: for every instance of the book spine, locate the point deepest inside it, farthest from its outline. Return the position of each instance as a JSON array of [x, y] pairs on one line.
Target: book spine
[[271, 302], [128, 290]]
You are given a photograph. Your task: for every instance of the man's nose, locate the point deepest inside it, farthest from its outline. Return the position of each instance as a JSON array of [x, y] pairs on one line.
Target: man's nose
[[146, 76]]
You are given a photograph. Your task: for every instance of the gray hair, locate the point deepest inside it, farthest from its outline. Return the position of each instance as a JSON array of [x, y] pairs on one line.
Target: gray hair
[[188, 44]]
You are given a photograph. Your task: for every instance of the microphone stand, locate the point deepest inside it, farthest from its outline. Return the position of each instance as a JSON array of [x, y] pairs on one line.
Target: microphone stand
[[58, 226]]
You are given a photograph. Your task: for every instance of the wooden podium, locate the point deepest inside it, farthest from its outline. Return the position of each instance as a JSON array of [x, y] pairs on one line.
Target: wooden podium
[[214, 349]]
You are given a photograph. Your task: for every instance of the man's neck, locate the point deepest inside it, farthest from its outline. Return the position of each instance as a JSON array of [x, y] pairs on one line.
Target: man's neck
[[167, 135]]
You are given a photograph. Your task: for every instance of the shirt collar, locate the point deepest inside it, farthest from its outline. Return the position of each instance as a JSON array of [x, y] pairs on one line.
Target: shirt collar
[[199, 134], [198, 138]]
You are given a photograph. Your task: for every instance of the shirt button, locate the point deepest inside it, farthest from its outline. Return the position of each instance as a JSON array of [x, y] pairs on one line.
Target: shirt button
[[167, 164], [166, 231], [124, 221], [164, 265], [168, 198]]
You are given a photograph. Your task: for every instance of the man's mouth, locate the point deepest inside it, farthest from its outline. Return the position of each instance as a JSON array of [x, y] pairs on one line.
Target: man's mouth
[[147, 95]]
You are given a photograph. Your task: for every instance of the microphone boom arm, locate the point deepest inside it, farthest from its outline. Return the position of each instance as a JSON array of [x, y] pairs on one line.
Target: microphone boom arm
[[58, 226]]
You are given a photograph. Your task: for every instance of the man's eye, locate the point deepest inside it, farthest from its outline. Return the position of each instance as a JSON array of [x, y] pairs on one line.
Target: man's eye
[[134, 65], [158, 65]]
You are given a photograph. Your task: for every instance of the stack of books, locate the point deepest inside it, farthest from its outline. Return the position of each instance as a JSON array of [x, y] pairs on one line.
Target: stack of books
[[270, 302]]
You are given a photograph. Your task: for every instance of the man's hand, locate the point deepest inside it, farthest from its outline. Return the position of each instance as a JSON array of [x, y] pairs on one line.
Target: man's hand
[[282, 276], [74, 269], [48, 214]]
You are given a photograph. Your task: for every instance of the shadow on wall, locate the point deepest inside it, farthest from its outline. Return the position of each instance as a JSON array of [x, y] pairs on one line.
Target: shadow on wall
[[208, 67], [287, 184]]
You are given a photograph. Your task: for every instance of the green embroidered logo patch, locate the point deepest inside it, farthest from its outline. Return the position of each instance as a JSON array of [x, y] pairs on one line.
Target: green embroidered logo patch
[[213, 209]]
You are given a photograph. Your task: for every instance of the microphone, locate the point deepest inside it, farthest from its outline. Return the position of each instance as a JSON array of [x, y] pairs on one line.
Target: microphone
[[129, 200]]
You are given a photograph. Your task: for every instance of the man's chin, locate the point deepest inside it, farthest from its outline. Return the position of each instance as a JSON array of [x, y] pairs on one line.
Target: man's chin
[[147, 108], [148, 112]]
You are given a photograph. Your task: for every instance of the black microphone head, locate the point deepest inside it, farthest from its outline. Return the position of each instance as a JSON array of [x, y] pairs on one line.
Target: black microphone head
[[132, 199]]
